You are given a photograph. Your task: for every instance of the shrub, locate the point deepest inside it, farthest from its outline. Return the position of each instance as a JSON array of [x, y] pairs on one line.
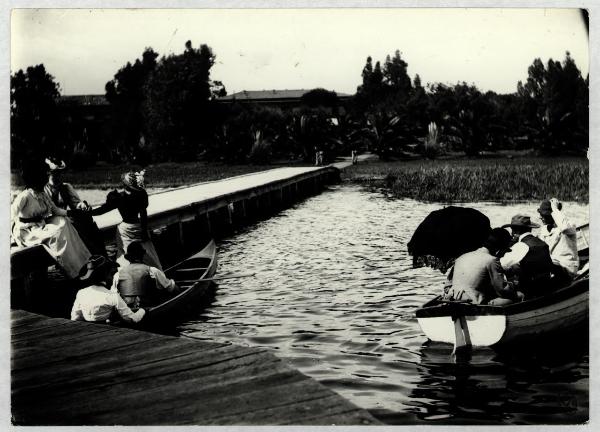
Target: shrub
[[81, 160]]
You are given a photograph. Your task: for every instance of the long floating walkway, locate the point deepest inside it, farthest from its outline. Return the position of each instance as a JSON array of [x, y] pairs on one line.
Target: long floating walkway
[[79, 373], [180, 198]]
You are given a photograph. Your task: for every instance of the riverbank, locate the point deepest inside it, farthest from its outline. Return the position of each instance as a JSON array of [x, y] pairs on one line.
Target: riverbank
[[482, 179], [160, 175]]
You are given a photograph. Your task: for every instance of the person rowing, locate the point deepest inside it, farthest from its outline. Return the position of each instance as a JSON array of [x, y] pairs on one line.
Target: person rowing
[[139, 284], [477, 276]]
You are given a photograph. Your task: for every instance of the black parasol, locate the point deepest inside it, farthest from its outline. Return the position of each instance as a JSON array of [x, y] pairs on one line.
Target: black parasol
[[446, 234]]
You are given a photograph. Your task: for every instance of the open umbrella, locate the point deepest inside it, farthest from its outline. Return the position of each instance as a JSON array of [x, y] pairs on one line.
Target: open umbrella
[[446, 234]]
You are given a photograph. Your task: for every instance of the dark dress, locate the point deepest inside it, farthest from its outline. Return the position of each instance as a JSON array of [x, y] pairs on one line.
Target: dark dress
[[132, 205]]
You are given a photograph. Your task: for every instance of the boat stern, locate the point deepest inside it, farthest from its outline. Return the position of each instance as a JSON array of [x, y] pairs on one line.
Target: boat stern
[[483, 330]]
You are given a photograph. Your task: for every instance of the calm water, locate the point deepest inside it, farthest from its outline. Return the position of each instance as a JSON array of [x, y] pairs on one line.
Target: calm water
[[335, 296]]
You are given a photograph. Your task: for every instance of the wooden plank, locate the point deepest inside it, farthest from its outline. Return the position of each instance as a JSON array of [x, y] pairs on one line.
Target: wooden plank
[[154, 407], [128, 396], [60, 333], [21, 320], [33, 356], [21, 332], [298, 411], [128, 371], [110, 367], [19, 313], [127, 377]]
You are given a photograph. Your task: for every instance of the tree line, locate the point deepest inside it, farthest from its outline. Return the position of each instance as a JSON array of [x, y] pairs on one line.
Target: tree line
[[166, 109]]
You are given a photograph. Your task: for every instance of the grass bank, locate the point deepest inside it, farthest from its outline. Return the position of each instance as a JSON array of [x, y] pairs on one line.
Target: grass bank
[[466, 180], [162, 175]]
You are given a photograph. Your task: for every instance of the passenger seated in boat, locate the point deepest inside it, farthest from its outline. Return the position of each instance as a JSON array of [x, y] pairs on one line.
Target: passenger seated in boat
[[64, 196], [140, 284], [477, 276], [96, 302], [528, 261], [561, 237]]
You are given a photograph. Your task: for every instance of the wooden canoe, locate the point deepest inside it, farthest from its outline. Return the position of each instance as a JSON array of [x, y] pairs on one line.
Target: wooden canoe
[[189, 275], [560, 311]]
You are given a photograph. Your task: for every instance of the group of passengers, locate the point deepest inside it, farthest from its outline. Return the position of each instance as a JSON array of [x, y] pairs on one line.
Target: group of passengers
[[49, 212], [514, 266]]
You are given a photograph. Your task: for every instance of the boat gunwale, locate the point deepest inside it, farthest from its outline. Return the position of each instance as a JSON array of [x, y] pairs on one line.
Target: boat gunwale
[[434, 309], [211, 254]]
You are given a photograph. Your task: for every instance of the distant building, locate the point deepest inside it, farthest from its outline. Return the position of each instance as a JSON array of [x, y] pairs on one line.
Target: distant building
[[88, 118], [89, 107], [280, 98]]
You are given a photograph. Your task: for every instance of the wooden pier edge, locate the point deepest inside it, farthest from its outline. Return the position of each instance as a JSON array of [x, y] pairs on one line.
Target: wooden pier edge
[[66, 373]]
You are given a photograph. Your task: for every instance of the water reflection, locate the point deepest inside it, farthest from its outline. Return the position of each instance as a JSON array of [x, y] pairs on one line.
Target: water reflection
[[544, 383], [335, 295]]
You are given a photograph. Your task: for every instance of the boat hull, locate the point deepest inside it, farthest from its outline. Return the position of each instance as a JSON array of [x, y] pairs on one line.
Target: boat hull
[[560, 312], [486, 330], [202, 265]]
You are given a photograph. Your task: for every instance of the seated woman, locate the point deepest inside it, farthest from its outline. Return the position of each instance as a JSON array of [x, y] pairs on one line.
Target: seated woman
[[38, 221], [64, 196], [132, 203]]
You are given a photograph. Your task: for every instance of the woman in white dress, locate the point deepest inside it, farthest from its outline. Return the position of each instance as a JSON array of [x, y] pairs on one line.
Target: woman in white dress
[[36, 220]]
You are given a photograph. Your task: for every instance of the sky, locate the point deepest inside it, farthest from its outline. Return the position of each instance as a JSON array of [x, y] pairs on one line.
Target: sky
[[300, 48]]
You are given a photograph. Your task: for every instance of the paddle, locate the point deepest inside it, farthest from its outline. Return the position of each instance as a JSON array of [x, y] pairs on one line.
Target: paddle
[[462, 338], [233, 276]]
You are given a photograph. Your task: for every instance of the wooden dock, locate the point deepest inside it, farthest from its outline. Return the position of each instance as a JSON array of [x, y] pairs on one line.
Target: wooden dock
[[184, 219], [79, 373]]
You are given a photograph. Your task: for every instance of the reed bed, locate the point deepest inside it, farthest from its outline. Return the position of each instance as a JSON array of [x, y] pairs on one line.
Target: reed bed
[[468, 180]]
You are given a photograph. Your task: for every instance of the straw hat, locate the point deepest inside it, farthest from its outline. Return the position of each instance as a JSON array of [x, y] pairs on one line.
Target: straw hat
[[522, 221]]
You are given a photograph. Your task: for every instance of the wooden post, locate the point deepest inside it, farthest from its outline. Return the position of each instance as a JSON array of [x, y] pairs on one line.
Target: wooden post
[[230, 211], [181, 237]]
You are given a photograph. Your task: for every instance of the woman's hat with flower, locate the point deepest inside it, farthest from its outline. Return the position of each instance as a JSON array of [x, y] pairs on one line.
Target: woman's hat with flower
[[134, 179], [55, 164]]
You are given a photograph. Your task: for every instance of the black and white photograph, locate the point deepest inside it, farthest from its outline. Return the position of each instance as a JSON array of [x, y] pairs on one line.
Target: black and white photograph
[[321, 215]]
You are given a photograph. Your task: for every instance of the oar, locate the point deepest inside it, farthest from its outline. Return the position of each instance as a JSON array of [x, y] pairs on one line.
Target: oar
[[462, 338], [233, 276]]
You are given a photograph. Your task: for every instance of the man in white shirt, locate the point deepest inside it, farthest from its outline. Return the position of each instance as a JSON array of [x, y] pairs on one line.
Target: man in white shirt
[[561, 237], [140, 284], [97, 302]]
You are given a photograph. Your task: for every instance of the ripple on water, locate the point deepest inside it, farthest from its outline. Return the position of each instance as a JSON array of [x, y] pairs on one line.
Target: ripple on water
[[335, 295]]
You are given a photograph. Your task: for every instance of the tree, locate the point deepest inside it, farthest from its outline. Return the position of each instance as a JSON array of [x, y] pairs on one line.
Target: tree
[[396, 78], [370, 92], [176, 109], [554, 101], [417, 108], [125, 93], [320, 97], [466, 116], [35, 123]]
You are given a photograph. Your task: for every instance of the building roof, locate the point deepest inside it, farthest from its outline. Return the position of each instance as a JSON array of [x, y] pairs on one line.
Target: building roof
[[270, 94], [92, 100]]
